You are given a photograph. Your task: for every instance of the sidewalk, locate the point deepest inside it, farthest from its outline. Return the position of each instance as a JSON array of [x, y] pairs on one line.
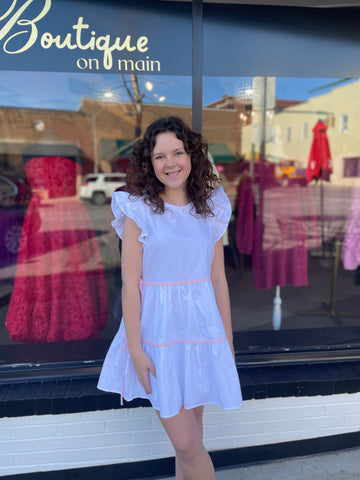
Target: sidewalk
[[343, 465]]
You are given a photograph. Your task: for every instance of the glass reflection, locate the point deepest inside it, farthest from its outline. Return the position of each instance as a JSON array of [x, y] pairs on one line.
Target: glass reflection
[[294, 233], [293, 178], [59, 291], [60, 278]]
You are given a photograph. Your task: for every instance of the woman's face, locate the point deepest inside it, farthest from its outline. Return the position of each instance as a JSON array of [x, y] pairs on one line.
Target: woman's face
[[171, 163]]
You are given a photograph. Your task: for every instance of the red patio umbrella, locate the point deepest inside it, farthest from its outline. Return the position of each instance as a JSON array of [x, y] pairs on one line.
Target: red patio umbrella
[[320, 163]]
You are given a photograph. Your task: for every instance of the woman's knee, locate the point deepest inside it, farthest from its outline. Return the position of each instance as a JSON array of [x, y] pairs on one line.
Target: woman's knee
[[188, 447], [185, 433]]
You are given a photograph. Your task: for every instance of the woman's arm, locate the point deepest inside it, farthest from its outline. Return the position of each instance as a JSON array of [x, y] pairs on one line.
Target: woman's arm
[[221, 290], [131, 270]]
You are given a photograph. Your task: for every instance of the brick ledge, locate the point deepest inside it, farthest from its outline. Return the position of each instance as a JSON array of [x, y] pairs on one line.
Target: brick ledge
[[77, 394]]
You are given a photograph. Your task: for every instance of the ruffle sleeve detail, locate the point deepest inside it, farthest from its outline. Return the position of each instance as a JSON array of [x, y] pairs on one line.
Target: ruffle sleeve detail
[[124, 206], [222, 212]]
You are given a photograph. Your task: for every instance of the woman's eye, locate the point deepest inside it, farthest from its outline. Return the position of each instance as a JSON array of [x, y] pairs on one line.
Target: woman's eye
[[179, 153]]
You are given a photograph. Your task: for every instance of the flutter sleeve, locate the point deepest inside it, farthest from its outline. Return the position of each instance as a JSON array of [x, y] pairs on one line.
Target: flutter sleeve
[[221, 207], [123, 206]]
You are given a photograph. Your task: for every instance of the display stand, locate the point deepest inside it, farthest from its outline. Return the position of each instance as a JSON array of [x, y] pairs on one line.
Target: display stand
[[330, 308]]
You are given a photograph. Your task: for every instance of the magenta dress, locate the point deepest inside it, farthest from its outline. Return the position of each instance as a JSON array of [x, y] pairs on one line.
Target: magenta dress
[[60, 291]]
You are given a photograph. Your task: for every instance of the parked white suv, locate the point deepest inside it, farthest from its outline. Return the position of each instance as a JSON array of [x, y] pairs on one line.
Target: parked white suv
[[98, 187]]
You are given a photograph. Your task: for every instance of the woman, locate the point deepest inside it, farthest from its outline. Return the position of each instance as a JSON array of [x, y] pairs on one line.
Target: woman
[[175, 343]]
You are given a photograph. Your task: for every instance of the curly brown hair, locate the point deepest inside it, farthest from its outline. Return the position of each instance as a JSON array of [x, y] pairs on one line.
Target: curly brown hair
[[142, 181]]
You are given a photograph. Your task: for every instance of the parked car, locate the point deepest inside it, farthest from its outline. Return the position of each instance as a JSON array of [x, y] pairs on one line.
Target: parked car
[[15, 196], [12, 238], [98, 187], [290, 171], [13, 191]]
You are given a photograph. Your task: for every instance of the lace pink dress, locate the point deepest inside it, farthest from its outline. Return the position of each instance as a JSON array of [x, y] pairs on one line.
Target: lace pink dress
[[60, 291], [181, 327]]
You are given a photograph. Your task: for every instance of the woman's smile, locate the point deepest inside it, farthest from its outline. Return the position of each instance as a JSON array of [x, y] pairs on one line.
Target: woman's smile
[[173, 174]]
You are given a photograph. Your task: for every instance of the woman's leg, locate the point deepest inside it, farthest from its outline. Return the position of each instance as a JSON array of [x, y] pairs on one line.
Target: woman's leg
[[198, 412], [185, 433]]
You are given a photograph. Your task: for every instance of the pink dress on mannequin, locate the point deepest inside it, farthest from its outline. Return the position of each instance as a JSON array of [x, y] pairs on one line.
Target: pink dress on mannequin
[[284, 229], [60, 291], [351, 246]]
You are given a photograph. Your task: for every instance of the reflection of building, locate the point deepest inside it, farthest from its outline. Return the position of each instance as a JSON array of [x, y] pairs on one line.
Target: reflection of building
[[115, 126], [292, 132], [283, 373], [26, 133], [102, 133], [243, 108]]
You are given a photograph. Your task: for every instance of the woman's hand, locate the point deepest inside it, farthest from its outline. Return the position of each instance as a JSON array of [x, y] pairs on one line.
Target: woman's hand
[[232, 350], [143, 365]]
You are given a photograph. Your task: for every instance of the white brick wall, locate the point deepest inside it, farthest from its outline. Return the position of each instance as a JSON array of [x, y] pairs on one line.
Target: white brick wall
[[56, 442]]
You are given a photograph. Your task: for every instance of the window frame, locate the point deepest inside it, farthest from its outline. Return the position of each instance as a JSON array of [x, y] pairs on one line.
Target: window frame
[[16, 370]]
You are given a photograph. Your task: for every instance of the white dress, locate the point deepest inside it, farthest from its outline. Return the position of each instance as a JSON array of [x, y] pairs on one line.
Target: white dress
[[181, 327]]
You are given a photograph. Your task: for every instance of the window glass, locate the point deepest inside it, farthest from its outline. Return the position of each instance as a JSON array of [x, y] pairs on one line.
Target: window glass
[[352, 167], [344, 123], [65, 141], [288, 134], [304, 131], [292, 176]]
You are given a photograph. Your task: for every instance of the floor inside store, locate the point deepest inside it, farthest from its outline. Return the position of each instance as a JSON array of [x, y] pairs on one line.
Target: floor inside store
[[302, 323]]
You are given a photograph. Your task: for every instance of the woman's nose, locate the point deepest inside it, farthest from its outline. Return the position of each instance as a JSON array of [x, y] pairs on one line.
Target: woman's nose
[[170, 160]]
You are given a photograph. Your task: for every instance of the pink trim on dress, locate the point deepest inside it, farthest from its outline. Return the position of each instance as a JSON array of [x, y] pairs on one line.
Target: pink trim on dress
[[124, 347], [175, 283], [123, 350]]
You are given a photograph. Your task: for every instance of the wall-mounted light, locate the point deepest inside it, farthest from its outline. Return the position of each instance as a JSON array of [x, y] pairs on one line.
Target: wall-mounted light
[[39, 125], [108, 95]]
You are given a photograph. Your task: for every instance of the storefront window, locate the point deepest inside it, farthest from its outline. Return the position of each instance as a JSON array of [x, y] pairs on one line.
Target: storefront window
[[292, 254], [67, 128], [65, 141]]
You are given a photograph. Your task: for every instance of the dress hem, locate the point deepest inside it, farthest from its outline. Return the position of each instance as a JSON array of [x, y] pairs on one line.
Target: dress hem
[[234, 407]]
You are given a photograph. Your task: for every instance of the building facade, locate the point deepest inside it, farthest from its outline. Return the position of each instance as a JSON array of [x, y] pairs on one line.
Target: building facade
[[79, 83]]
